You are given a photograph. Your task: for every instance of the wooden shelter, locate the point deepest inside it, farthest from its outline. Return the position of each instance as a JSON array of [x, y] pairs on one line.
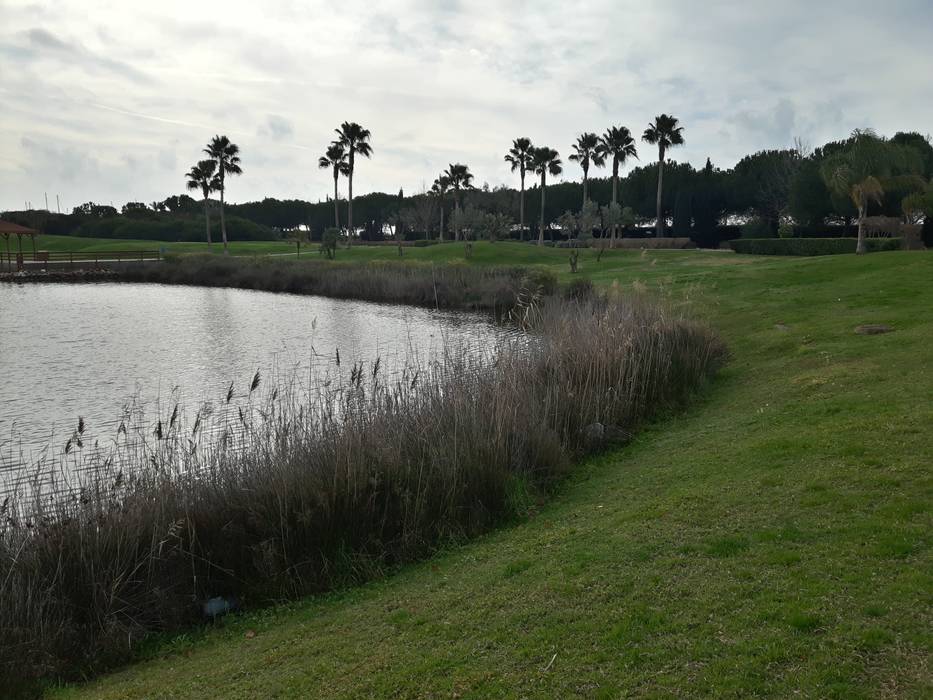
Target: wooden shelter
[[9, 229]]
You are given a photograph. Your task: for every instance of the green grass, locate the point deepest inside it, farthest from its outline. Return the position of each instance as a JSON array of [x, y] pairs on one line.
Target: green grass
[[773, 540], [103, 245]]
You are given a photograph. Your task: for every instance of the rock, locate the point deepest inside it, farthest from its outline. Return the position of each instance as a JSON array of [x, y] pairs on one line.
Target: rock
[[593, 435], [216, 607], [873, 329]]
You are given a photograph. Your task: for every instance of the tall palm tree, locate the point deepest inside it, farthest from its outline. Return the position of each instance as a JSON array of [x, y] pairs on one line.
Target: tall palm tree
[[335, 157], [861, 170], [665, 133], [460, 178], [227, 156], [586, 151], [355, 140], [545, 160], [440, 187], [203, 176], [617, 143], [519, 157]]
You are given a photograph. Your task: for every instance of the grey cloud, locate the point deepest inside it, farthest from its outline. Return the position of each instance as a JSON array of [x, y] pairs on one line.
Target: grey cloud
[[41, 44], [276, 127]]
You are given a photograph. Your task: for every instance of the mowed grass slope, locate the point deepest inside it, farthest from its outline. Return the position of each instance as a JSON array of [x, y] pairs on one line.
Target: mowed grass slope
[[773, 540]]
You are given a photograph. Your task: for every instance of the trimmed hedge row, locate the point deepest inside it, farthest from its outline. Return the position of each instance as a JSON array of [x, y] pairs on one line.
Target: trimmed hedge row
[[810, 246]]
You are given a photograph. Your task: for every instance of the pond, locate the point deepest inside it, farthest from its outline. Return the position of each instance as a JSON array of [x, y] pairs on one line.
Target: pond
[[98, 352]]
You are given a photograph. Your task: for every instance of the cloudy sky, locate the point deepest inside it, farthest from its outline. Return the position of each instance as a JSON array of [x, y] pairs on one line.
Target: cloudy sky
[[112, 101]]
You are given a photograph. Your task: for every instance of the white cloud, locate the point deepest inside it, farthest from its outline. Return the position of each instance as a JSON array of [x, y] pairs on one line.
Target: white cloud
[[111, 101]]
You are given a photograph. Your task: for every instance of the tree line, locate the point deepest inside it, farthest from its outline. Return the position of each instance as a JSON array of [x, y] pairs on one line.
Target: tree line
[[803, 191]]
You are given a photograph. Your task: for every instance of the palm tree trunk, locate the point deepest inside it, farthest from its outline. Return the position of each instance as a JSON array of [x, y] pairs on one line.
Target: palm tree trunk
[[585, 178], [442, 218], [861, 248], [659, 227], [615, 188], [541, 230], [336, 204], [223, 224], [207, 219], [350, 204], [521, 211]]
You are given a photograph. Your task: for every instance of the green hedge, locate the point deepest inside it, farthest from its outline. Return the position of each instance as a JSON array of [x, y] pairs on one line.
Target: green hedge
[[810, 246], [172, 229]]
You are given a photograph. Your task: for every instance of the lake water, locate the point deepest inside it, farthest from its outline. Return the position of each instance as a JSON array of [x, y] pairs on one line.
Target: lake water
[[92, 350]]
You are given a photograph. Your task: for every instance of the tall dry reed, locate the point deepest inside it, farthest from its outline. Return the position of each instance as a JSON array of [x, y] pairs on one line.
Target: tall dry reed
[[333, 486]]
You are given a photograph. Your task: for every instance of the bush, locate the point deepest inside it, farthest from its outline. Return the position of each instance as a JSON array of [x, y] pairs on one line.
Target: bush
[[330, 487], [757, 228], [809, 246]]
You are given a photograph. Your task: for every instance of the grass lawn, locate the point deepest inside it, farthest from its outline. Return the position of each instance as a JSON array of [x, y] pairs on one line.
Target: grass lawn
[[103, 245], [771, 541]]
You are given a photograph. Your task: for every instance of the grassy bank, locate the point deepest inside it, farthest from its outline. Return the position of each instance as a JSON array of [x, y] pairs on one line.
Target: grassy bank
[[335, 487]]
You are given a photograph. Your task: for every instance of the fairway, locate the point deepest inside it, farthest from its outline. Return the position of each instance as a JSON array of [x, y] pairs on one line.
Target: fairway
[[773, 540]]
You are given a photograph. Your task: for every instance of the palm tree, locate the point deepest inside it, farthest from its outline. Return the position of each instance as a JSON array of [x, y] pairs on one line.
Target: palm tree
[[519, 157], [439, 188], [586, 151], [861, 169], [355, 139], [545, 160], [227, 155], [335, 157], [617, 143], [460, 178], [665, 133], [203, 176]]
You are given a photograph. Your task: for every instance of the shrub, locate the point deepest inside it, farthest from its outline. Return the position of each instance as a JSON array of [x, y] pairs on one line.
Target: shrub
[[757, 228], [328, 487], [809, 246]]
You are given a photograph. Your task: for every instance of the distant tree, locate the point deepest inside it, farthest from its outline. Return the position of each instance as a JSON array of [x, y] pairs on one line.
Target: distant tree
[[495, 226], [519, 157], [335, 158], [586, 150], [203, 176], [545, 160], [355, 140], [921, 144], [860, 170], [709, 205], [460, 179], [329, 242], [227, 156], [919, 205], [135, 210], [568, 223], [94, 211], [762, 182], [617, 143], [589, 219], [179, 203], [665, 133], [809, 201], [439, 189], [422, 213], [683, 214]]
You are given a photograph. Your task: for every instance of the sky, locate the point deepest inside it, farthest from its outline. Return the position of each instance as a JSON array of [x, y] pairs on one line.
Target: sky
[[112, 101]]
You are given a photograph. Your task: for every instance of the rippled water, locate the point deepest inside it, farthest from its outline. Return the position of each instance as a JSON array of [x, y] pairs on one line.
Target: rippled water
[[92, 350]]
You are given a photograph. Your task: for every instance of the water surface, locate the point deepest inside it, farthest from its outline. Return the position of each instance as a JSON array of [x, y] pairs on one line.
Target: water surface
[[91, 350]]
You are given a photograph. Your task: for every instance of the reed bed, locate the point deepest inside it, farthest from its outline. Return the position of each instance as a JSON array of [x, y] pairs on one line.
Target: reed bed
[[443, 286], [336, 484]]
